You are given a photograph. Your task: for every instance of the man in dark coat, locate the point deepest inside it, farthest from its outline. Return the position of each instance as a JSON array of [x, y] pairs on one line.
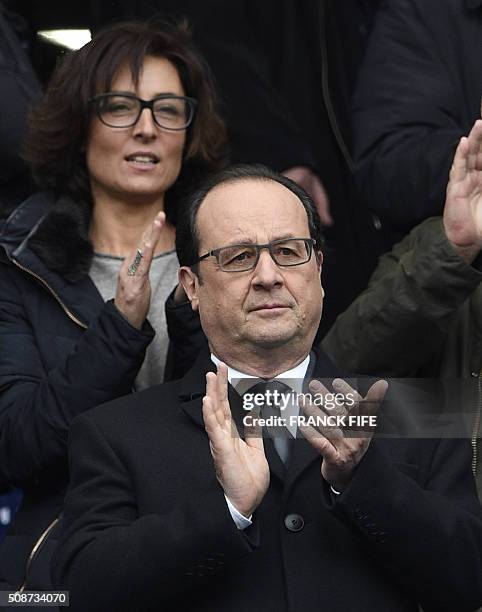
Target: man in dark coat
[[169, 508]]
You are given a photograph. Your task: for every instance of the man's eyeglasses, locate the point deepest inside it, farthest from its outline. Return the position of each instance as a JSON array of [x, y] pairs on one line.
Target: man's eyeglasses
[[243, 257], [123, 110]]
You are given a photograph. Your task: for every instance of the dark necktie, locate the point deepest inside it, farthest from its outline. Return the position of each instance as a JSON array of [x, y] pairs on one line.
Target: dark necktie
[[272, 392]]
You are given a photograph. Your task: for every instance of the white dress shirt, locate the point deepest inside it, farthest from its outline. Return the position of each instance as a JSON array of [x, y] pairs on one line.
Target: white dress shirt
[[241, 382]]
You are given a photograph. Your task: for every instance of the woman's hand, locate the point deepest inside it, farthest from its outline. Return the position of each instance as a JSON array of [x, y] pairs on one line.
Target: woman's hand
[[133, 294]]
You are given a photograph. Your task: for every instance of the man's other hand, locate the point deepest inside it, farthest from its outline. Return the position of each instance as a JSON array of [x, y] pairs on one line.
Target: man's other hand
[[340, 449]]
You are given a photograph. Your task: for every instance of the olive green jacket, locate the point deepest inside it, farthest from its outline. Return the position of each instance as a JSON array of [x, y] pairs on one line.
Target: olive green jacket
[[420, 316]]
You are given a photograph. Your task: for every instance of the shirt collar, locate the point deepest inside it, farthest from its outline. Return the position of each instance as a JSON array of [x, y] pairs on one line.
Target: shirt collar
[[242, 382]]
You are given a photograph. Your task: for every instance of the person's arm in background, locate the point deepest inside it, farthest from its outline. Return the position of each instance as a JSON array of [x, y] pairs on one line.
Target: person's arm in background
[[401, 319], [186, 337], [415, 99], [36, 405]]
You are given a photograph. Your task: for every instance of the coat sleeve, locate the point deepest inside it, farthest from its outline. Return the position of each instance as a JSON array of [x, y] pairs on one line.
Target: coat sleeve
[[407, 117], [422, 523], [400, 321], [186, 338], [36, 405], [110, 558]]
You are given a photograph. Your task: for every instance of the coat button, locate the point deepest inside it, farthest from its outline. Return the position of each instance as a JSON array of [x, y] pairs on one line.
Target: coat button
[[294, 522]]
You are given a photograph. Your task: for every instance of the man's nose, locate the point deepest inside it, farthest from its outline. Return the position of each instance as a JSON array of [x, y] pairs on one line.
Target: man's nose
[[145, 126], [267, 273]]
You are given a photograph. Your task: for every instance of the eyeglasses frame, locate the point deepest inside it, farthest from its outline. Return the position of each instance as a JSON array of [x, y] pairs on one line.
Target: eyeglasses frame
[[309, 242], [144, 104]]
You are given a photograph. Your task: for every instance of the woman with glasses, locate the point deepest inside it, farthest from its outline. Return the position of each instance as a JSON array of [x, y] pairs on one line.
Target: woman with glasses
[[126, 127]]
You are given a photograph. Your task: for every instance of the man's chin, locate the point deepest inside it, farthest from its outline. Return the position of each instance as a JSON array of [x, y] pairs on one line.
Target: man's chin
[[267, 339]]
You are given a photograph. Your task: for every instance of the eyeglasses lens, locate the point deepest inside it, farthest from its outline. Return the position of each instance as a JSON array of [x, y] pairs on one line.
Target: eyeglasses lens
[[172, 113]]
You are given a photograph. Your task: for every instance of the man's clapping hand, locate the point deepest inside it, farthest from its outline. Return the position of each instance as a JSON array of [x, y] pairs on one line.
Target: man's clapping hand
[[241, 466], [340, 449]]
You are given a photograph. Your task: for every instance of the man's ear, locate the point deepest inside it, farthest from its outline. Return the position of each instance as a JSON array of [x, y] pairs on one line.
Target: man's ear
[[319, 259], [190, 282], [319, 263]]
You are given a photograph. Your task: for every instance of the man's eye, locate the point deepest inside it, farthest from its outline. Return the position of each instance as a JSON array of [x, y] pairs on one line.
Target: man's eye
[[237, 257], [285, 251], [242, 256]]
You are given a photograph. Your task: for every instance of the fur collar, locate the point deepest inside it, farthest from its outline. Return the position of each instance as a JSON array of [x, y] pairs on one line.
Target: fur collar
[[61, 240]]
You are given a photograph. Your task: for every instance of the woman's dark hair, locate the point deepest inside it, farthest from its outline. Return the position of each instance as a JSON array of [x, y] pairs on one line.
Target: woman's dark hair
[[59, 125], [187, 238]]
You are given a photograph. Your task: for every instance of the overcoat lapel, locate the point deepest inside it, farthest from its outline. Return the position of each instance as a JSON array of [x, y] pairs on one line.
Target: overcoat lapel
[[193, 387]]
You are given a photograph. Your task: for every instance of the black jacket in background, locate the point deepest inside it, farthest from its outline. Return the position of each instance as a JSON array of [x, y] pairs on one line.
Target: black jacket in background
[[19, 89], [419, 91]]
